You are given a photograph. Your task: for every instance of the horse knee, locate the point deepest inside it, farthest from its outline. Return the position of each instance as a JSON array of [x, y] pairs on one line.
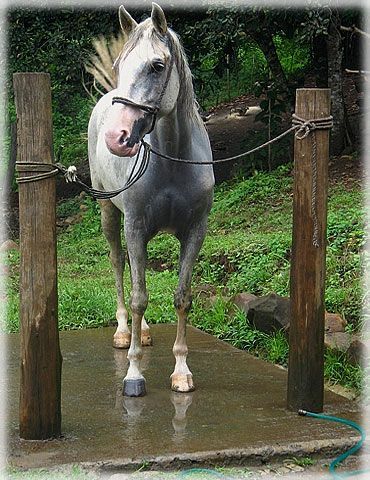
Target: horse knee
[[183, 300], [139, 302]]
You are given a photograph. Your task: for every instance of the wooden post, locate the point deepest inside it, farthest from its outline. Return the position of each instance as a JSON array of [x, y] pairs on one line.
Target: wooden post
[[307, 278], [41, 361]]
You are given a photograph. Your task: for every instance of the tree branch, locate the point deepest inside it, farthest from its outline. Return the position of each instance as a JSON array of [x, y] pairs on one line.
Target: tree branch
[[361, 72], [354, 29]]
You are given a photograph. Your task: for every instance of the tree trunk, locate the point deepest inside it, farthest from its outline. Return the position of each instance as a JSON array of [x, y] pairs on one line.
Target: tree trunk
[[266, 44], [335, 83], [320, 60]]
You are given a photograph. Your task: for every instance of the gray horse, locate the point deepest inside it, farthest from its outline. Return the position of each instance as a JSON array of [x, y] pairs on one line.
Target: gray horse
[[154, 100]]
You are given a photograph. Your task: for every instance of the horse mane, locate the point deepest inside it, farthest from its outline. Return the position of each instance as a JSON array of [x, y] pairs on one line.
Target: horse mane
[[103, 67]]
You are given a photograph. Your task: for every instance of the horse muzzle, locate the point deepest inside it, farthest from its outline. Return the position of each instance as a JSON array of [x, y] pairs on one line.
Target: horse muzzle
[[119, 144], [125, 132]]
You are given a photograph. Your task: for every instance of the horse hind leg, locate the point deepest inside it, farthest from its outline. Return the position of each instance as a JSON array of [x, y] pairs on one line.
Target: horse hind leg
[[182, 378], [111, 225]]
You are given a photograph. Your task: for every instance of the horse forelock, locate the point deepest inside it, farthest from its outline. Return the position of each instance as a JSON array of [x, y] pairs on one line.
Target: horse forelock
[[186, 98]]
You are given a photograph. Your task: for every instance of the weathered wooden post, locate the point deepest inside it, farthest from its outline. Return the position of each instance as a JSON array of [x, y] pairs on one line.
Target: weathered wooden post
[[40, 388], [307, 278]]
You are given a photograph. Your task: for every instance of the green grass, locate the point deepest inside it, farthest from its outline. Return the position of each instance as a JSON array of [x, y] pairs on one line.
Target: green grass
[[247, 248]]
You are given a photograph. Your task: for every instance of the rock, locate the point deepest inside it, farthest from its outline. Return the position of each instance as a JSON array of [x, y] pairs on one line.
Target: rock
[[282, 470], [72, 220], [338, 341], [243, 300], [334, 323], [253, 110], [269, 313], [357, 353], [83, 207], [204, 291], [8, 245]]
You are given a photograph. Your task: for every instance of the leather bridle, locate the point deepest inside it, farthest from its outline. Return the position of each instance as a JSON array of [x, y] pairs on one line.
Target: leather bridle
[[152, 110]]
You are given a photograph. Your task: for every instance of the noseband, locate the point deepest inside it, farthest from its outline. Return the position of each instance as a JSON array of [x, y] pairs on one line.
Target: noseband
[[152, 110]]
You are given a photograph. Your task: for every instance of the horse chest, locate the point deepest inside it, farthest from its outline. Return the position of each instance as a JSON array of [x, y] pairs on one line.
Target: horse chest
[[170, 208]]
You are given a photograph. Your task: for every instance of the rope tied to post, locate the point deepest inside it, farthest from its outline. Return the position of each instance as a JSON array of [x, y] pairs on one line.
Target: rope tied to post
[[304, 128]]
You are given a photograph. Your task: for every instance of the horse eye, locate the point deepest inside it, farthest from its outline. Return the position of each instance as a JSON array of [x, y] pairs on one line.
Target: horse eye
[[157, 66]]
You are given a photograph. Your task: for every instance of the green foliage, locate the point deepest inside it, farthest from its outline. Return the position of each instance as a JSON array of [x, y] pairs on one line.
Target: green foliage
[[56, 41], [220, 321], [304, 461], [339, 370], [70, 131], [346, 239], [68, 207], [294, 54]]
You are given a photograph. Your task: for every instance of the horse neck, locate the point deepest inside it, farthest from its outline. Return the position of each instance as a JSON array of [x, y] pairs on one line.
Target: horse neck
[[173, 132]]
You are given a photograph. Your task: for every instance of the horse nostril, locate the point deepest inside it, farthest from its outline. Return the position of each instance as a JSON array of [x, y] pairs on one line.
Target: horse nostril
[[123, 137]]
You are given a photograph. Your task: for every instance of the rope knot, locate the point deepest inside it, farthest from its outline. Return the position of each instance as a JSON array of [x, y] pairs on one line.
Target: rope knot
[[304, 130], [71, 174], [304, 127]]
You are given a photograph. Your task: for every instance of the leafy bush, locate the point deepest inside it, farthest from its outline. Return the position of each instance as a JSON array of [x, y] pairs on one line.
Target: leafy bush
[[294, 54], [70, 131]]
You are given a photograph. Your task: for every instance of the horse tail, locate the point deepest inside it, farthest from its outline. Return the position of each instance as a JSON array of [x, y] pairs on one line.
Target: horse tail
[[100, 64]]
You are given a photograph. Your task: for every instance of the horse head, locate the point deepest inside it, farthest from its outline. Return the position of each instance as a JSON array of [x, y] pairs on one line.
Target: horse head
[[148, 82]]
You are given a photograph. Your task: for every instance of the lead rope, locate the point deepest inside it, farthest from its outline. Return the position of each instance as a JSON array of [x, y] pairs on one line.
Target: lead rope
[[301, 127], [70, 174]]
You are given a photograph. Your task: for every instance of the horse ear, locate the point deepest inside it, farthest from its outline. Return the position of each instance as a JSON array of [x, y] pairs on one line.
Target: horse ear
[[159, 19], [126, 21]]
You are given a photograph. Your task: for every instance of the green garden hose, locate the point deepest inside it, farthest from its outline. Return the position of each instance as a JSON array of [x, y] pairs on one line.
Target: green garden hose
[[346, 454], [332, 466]]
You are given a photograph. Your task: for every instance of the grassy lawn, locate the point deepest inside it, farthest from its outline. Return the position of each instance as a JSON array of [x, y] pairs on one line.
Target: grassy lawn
[[247, 249]]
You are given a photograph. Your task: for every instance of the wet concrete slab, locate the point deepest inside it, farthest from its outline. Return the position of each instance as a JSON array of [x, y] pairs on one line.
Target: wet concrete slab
[[236, 416]]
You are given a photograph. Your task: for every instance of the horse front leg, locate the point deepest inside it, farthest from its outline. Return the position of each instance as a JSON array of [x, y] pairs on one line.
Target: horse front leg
[[111, 225], [182, 378], [134, 381]]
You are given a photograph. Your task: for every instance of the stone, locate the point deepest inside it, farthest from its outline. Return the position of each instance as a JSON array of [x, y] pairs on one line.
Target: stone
[[339, 341], [243, 300], [358, 351], [270, 313], [72, 220], [205, 290], [334, 323], [8, 245]]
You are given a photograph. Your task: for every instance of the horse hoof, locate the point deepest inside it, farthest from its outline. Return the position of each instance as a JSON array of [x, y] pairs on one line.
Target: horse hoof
[[182, 383], [134, 387], [121, 340], [146, 339]]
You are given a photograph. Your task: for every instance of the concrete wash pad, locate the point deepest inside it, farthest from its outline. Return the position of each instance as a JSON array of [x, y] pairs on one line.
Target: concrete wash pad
[[236, 416]]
